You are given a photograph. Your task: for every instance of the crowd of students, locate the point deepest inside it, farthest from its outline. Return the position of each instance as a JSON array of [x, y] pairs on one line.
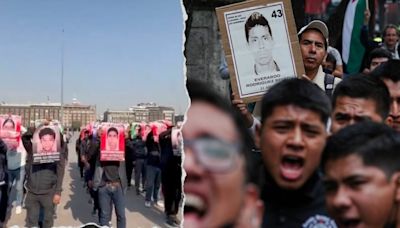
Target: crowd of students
[[155, 157], [154, 152], [312, 153]]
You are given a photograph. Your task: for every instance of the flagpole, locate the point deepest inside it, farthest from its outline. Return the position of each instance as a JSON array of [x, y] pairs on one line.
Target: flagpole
[[62, 80]]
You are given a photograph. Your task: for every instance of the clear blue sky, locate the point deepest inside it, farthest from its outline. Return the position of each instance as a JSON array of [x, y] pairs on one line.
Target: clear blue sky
[[116, 53]]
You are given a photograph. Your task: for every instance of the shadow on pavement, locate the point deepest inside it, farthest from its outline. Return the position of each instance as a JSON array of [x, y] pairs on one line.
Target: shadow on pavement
[[78, 203], [81, 209]]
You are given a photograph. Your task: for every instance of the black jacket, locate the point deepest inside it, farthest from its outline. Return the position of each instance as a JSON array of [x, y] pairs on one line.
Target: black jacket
[[304, 207], [3, 163], [153, 152], [140, 149], [43, 178]]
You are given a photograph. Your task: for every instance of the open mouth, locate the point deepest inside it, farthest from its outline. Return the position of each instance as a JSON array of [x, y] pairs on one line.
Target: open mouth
[[292, 167], [349, 223], [195, 206]]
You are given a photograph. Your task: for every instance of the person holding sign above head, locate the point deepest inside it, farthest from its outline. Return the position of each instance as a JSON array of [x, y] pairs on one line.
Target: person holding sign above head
[[43, 178], [260, 43], [110, 179]]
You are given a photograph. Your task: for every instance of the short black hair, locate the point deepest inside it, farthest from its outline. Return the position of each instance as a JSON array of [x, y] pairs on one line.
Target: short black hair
[[366, 87], [112, 129], [9, 120], [388, 70], [200, 91], [331, 58], [378, 53], [256, 18], [376, 144], [47, 131], [298, 92]]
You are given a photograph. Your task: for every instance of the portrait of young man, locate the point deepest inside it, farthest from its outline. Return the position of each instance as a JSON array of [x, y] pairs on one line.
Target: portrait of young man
[[260, 43], [259, 39], [389, 73], [291, 138], [361, 165], [112, 139], [47, 138], [359, 98]]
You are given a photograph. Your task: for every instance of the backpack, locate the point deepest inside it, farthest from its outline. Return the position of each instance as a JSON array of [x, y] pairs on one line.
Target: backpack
[[328, 84]]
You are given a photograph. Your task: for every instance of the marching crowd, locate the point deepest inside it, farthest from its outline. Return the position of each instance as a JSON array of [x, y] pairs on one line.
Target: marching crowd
[[153, 151], [155, 157]]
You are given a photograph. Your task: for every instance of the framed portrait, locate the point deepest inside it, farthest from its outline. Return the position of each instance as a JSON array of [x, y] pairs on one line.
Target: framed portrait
[[112, 142], [10, 130], [261, 46], [46, 144]]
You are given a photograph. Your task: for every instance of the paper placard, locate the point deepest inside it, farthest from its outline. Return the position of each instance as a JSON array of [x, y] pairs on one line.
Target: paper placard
[[261, 46]]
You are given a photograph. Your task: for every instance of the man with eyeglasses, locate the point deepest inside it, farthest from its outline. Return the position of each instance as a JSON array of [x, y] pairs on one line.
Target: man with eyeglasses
[[218, 165], [291, 138]]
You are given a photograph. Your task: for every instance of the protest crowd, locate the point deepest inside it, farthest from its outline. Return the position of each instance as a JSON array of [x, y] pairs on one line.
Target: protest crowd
[[320, 149], [112, 159]]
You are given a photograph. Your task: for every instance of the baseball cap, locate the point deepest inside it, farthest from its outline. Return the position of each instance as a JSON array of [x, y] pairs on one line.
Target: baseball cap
[[318, 25]]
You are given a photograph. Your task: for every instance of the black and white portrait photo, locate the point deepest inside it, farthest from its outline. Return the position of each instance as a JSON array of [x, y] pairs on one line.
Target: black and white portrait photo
[[260, 45]]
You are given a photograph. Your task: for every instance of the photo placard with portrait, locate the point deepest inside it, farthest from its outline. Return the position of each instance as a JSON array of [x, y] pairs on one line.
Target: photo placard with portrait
[[260, 44], [10, 131], [46, 144], [112, 143]]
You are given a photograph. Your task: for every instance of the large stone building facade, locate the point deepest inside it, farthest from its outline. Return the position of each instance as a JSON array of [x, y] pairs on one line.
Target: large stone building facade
[[71, 115], [144, 112], [76, 115]]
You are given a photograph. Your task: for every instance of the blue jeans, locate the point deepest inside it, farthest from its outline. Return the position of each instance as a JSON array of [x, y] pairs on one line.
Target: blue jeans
[[153, 181], [109, 194], [140, 171], [17, 175]]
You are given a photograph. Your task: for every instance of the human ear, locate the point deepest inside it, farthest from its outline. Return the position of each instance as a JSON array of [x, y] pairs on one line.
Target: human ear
[[396, 179]]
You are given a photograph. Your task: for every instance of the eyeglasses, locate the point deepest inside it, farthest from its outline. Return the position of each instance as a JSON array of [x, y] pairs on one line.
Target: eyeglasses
[[214, 154]]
